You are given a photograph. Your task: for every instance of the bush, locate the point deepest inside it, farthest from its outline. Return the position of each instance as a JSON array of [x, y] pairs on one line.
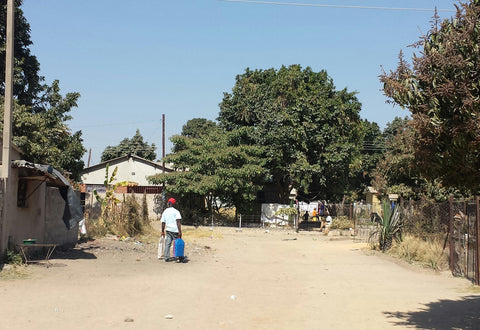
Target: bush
[[428, 252], [341, 223], [124, 219], [12, 258]]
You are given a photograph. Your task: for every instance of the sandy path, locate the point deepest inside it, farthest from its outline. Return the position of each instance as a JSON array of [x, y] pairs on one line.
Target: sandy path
[[243, 280]]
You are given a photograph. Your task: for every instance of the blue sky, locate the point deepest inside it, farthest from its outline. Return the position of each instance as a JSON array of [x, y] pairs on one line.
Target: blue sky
[[134, 60]]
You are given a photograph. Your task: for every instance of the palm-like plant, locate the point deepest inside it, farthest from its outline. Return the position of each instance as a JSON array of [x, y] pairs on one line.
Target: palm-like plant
[[108, 202], [390, 226]]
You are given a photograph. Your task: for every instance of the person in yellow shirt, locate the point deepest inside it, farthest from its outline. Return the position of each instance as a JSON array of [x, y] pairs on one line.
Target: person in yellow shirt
[[314, 215]]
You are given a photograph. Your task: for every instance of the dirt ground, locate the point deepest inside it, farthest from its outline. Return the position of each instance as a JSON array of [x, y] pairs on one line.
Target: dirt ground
[[249, 279]]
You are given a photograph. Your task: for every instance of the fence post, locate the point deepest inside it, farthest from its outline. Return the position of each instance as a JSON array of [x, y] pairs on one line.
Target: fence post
[[477, 241], [240, 222], [450, 236]]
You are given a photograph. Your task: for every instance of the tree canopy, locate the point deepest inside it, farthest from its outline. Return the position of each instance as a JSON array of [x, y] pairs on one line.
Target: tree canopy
[[215, 165], [40, 111], [311, 132], [134, 146], [197, 127], [397, 172], [441, 90], [373, 149], [43, 136], [28, 84]]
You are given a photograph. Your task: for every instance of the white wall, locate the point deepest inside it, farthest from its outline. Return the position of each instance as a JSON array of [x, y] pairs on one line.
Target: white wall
[[131, 170]]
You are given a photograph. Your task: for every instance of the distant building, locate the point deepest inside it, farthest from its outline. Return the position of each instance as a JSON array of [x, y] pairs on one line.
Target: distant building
[[130, 168]]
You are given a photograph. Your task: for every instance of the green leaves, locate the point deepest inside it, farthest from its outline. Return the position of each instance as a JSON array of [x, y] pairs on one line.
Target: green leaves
[[134, 146], [215, 163], [43, 135], [442, 93], [296, 115]]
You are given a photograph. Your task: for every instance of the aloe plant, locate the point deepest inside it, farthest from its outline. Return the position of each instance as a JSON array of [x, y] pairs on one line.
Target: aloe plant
[[390, 226]]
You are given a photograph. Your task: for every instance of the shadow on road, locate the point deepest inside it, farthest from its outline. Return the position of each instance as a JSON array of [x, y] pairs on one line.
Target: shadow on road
[[443, 314], [84, 250]]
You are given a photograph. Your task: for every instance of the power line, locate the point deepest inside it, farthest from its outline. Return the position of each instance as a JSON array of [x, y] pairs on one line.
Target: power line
[[82, 126], [334, 6]]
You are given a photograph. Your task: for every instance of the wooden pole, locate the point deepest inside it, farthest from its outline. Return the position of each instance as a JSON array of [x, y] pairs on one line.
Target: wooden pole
[[477, 241], [451, 243], [7, 127], [163, 142], [89, 157], [7, 118]]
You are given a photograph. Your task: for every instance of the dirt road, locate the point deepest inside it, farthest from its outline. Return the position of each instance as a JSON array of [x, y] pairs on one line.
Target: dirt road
[[235, 280]]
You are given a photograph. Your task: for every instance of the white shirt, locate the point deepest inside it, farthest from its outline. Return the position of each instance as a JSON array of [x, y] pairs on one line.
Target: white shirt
[[170, 217]]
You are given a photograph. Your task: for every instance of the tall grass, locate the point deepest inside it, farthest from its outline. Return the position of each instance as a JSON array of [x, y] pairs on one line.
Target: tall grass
[[127, 218], [427, 252]]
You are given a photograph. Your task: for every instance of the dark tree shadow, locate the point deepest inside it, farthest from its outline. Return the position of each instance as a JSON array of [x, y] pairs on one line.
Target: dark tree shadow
[[79, 251], [443, 314], [73, 254]]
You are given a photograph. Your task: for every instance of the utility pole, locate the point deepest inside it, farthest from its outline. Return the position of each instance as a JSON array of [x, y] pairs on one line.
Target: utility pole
[[89, 157], [163, 156], [163, 142], [7, 118], [7, 127]]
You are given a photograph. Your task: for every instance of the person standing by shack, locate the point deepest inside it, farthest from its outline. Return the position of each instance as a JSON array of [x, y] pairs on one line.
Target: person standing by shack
[[171, 223]]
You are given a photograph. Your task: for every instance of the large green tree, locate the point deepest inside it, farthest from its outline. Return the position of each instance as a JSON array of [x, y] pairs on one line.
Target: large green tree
[[27, 83], [40, 113], [45, 138], [311, 132], [441, 90], [197, 127], [371, 153], [397, 172], [134, 146], [214, 166]]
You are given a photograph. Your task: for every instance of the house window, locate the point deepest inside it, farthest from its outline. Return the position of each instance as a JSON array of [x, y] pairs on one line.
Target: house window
[[22, 193]]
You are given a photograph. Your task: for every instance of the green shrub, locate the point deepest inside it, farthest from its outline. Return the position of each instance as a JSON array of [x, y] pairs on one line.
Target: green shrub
[[12, 258], [287, 211]]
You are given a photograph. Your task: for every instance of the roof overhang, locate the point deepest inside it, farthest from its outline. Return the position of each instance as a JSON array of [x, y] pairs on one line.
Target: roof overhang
[[46, 173]]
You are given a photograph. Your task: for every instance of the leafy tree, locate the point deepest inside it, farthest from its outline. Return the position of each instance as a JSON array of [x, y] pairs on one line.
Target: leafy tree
[[40, 111], [442, 92], [197, 126], [27, 81], [213, 166], [371, 153], [134, 146], [397, 171], [311, 132], [43, 137]]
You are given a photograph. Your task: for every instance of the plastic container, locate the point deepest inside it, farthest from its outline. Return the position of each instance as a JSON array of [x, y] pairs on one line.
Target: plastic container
[[178, 248], [29, 241]]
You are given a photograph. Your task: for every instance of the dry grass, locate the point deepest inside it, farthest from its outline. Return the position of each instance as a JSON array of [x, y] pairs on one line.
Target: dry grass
[[12, 272], [192, 233], [428, 253], [341, 223], [473, 289]]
